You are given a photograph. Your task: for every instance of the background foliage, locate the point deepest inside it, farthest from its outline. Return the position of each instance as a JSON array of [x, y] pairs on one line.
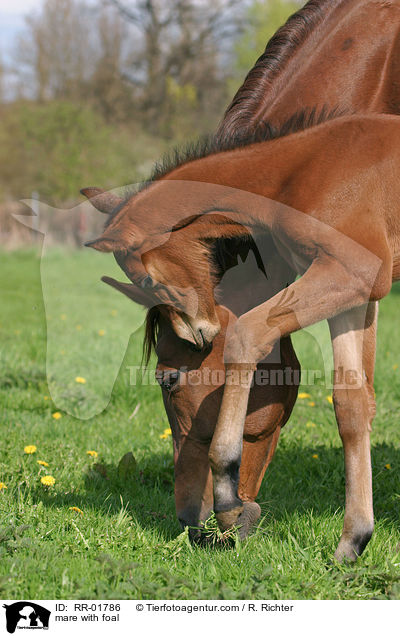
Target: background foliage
[[93, 92]]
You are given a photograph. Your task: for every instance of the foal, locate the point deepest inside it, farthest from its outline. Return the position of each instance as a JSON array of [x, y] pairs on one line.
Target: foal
[[345, 245]]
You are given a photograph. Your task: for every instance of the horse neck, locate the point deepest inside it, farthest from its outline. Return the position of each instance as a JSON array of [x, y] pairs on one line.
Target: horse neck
[[325, 39], [246, 182]]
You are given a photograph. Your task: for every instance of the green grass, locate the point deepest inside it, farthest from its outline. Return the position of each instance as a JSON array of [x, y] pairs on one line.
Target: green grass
[[128, 543]]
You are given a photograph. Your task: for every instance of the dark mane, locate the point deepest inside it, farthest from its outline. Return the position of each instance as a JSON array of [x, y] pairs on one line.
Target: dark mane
[[246, 103], [214, 144]]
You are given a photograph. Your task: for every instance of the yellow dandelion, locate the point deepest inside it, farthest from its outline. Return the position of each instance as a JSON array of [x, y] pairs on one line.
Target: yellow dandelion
[[76, 509], [167, 431], [80, 380], [57, 415], [163, 436], [29, 450], [315, 456], [42, 463], [3, 486], [388, 467], [310, 425], [311, 404], [92, 453], [395, 367], [48, 480], [114, 312], [304, 396], [78, 327], [62, 352], [45, 397], [17, 332], [63, 317], [329, 399], [101, 332]]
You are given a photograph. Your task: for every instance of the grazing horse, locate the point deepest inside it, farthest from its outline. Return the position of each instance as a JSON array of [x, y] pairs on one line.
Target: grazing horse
[[324, 44], [192, 392], [328, 197]]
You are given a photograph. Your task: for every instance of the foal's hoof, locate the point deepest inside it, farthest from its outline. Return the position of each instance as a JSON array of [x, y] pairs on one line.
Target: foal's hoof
[[248, 518], [350, 547]]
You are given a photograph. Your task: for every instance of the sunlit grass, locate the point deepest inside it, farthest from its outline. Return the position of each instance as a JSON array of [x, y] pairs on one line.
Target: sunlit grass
[[103, 529]]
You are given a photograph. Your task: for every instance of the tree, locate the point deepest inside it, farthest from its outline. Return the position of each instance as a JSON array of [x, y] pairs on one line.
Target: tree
[[177, 53]]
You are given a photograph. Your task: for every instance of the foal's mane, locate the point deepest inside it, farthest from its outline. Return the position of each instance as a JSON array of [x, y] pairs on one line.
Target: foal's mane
[[246, 104], [212, 144]]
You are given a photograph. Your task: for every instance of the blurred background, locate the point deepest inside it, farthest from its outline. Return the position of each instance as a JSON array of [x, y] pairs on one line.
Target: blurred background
[[92, 92]]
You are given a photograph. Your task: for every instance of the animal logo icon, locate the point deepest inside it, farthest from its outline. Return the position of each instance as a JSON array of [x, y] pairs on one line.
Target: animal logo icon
[[26, 615]]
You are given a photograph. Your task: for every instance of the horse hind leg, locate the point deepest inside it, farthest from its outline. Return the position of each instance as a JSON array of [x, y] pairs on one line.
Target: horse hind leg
[[354, 341]]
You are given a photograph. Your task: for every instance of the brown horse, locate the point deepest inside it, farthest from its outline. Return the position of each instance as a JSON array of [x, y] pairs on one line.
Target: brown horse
[[345, 245], [192, 385], [325, 39]]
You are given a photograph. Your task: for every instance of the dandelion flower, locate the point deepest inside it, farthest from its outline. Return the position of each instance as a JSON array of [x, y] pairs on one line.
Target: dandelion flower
[[388, 467], [45, 397], [114, 312], [78, 327], [76, 509], [304, 396], [92, 453], [101, 332], [395, 367], [329, 399], [310, 425], [311, 404], [57, 415], [42, 463], [164, 436], [315, 456], [63, 317], [167, 431], [48, 480], [80, 380], [29, 450], [2, 485]]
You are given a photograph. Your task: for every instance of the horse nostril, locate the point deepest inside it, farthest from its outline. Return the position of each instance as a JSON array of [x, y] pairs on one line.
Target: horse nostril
[[168, 380]]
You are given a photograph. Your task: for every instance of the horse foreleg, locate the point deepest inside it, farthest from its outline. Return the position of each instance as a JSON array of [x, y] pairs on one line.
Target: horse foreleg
[[328, 288], [256, 458], [353, 339]]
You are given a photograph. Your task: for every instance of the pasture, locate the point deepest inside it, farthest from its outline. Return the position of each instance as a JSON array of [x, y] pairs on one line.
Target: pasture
[[124, 540]]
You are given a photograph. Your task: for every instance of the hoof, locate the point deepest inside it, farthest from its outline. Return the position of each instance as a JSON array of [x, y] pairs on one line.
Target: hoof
[[350, 548], [345, 553], [227, 519], [248, 518]]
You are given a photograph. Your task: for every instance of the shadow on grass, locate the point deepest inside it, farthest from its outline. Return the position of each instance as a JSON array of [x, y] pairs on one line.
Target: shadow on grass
[[147, 496], [299, 479]]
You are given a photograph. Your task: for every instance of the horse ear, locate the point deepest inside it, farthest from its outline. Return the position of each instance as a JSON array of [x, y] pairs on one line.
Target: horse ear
[[103, 201], [133, 292], [118, 239], [103, 245]]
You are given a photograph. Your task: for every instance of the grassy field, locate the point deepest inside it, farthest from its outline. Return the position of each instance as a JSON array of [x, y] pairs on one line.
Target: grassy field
[[126, 541]]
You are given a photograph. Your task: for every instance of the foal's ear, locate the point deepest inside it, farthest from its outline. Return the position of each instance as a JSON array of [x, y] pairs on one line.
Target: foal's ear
[[121, 238], [103, 245], [133, 292], [103, 201]]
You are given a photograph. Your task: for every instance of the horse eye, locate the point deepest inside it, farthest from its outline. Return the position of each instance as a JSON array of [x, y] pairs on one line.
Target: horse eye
[[147, 282]]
